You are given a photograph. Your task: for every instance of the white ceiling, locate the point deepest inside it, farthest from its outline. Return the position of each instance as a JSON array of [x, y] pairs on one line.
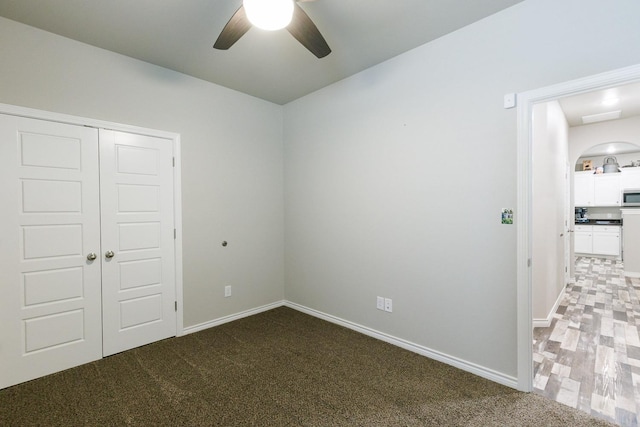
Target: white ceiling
[[590, 103], [611, 149], [628, 96], [179, 35]]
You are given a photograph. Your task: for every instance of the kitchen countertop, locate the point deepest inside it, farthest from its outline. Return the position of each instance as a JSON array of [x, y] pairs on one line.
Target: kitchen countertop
[[612, 222]]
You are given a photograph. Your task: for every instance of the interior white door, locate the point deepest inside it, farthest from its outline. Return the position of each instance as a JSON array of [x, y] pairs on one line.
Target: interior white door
[[137, 222], [50, 309]]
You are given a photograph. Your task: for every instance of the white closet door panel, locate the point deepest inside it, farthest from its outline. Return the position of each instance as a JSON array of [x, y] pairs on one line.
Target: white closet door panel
[[53, 240], [46, 196], [140, 311], [51, 304], [35, 151], [138, 198], [136, 236], [45, 286], [54, 330], [139, 273], [136, 180]]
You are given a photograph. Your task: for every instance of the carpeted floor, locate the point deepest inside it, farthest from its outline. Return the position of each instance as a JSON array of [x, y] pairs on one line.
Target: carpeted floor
[[278, 368]]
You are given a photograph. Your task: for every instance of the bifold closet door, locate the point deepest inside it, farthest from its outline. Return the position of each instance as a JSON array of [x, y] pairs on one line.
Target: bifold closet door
[[137, 221], [50, 309]]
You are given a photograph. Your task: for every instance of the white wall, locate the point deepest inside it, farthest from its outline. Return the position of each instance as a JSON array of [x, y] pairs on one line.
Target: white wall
[[549, 160], [608, 212], [231, 156], [374, 204], [624, 159], [582, 138]]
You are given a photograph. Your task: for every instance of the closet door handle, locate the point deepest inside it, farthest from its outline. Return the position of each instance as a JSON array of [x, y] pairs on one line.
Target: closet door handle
[[92, 256], [109, 254]]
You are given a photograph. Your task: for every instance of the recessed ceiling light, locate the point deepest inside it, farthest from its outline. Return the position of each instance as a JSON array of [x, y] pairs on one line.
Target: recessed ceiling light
[[610, 101], [611, 115]]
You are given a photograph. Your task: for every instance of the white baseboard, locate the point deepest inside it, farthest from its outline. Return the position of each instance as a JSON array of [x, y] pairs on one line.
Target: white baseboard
[[545, 323], [230, 318], [632, 274], [473, 368]]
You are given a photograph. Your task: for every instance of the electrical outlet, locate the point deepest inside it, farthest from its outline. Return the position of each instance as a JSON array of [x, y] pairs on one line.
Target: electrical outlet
[[380, 303], [227, 291], [388, 305]]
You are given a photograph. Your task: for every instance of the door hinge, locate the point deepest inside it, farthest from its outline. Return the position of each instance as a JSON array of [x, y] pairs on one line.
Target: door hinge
[[174, 162], [176, 305], [174, 234], [529, 262]]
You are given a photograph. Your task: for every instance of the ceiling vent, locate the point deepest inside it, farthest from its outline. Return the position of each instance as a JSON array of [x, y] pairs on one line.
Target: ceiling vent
[[593, 118]]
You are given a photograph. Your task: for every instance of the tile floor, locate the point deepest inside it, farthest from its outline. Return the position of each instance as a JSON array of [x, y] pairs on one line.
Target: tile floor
[[589, 358]]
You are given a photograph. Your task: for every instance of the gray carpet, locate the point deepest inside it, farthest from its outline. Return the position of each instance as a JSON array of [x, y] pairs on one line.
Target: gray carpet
[[278, 368]]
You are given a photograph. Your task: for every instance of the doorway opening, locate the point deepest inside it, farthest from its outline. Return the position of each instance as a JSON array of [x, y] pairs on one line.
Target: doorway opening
[[527, 101]]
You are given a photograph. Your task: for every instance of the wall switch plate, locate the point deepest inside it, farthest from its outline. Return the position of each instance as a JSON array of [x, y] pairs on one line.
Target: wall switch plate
[[227, 291], [388, 305], [380, 303], [510, 100]]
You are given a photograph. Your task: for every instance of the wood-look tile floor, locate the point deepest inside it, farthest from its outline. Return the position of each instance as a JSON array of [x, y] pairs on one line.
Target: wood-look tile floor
[[589, 358]]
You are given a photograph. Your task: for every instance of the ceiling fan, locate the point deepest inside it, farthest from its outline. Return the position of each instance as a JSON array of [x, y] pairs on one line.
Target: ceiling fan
[[299, 25]]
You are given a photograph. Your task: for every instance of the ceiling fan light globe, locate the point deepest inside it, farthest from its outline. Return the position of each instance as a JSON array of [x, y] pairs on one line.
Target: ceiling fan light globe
[[269, 14]]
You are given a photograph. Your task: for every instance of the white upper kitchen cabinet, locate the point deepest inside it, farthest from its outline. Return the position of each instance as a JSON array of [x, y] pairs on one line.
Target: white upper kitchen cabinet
[[630, 178], [606, 190], [583, 188], [591, 189]]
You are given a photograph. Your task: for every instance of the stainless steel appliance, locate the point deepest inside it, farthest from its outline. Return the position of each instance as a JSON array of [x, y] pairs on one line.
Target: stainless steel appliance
[[631, 197], [581, 215]]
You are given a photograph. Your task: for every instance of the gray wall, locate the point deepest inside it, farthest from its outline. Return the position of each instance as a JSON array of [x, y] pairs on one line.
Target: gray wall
[[376, 205], [231, 168], [631, 220]]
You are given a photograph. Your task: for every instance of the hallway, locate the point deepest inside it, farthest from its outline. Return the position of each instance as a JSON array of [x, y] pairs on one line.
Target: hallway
[[589, 358]]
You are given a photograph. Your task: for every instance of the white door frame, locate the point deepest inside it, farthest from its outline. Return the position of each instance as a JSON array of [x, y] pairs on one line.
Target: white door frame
[[526, 101], [177, 182], [568, 223]]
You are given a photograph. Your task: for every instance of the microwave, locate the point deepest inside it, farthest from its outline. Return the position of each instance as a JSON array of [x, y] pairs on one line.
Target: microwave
[[631, 197]]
